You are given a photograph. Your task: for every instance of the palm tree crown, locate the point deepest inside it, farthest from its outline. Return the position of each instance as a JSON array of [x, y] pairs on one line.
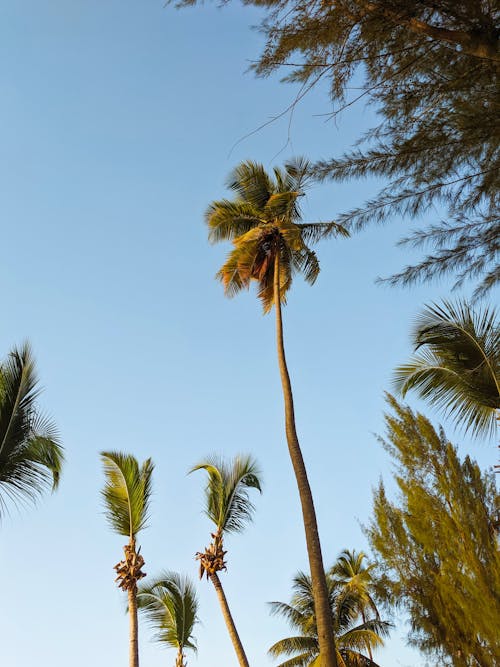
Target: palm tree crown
[[127, 492], [351, 637], [263, 223], [170, 605], [458, 368], [227, 503], [351, 572], [31, 455]]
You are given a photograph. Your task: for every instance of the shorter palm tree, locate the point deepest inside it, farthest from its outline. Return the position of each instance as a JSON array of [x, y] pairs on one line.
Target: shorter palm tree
[[228, 506], [352, 638], [170, 605], [127, 493], [31, 455], [457, 367]]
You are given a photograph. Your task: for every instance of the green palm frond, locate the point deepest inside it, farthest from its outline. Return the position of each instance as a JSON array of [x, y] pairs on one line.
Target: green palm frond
[[351, 572], [31, 455], [264, 224], [169, 604], [361, 638], [127, 492], [296, 618], [312, 232], [227, 503], [458, 370], [228, 219], [292, 645], [302, 660], [252, 184]]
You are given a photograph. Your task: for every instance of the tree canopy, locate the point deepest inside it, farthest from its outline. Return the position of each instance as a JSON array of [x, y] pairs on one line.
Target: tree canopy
[[437, 544], [430, 69]]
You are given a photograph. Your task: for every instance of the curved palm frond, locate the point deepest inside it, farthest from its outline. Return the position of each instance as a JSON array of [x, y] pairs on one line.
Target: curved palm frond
[[31, 456], [227, 220], [170, 606], [459, 369], [127, 492], [291, 645], [227, 503], [252, 183]]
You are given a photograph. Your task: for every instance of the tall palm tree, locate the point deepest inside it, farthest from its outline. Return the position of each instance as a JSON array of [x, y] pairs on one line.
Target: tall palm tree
[[171, 607], [270, 247], [351, 572], [457, 367], [127, 494], [228, 506], [31, 455], [352, 638]]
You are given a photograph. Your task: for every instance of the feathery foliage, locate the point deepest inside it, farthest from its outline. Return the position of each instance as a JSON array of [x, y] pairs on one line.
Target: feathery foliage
[[170, 606], [437, 544], [430, 69], [263, 222], [352, 637], [127, 492], [31, 455], [458, 368], [227, 503]]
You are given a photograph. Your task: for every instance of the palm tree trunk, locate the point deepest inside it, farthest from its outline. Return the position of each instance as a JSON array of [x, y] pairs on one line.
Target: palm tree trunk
[[231, 628], [324, 620], [134, 640], [179, 662]]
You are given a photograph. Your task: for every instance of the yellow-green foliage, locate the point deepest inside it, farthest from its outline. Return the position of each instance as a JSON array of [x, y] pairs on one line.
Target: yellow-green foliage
[[438, 544]]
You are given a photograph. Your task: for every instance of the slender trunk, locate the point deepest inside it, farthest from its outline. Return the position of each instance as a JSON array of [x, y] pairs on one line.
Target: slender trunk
[[231, 628], [324, 620], [134, 640], [180, 658]]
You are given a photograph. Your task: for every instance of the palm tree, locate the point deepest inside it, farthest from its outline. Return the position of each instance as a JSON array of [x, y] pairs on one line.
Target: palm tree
[[127, 493], [228, 506], [171, 607], [351, 572], [270, 247], [351, 637], [31, 455], [458, 369]]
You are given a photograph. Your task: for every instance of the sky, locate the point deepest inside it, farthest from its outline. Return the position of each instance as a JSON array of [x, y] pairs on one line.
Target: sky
[[119, 123]]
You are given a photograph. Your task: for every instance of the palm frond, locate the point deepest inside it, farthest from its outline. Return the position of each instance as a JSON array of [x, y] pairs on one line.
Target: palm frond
[[170, 606], [291, 645], [252, 183], [295, 617], [31, 455], [227, 502], [127, 492], [228, 219], [312, 232], [302, 660], [459, 368]]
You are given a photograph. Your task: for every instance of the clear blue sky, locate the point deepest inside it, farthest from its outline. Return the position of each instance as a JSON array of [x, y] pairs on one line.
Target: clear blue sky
[[117, 123]]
